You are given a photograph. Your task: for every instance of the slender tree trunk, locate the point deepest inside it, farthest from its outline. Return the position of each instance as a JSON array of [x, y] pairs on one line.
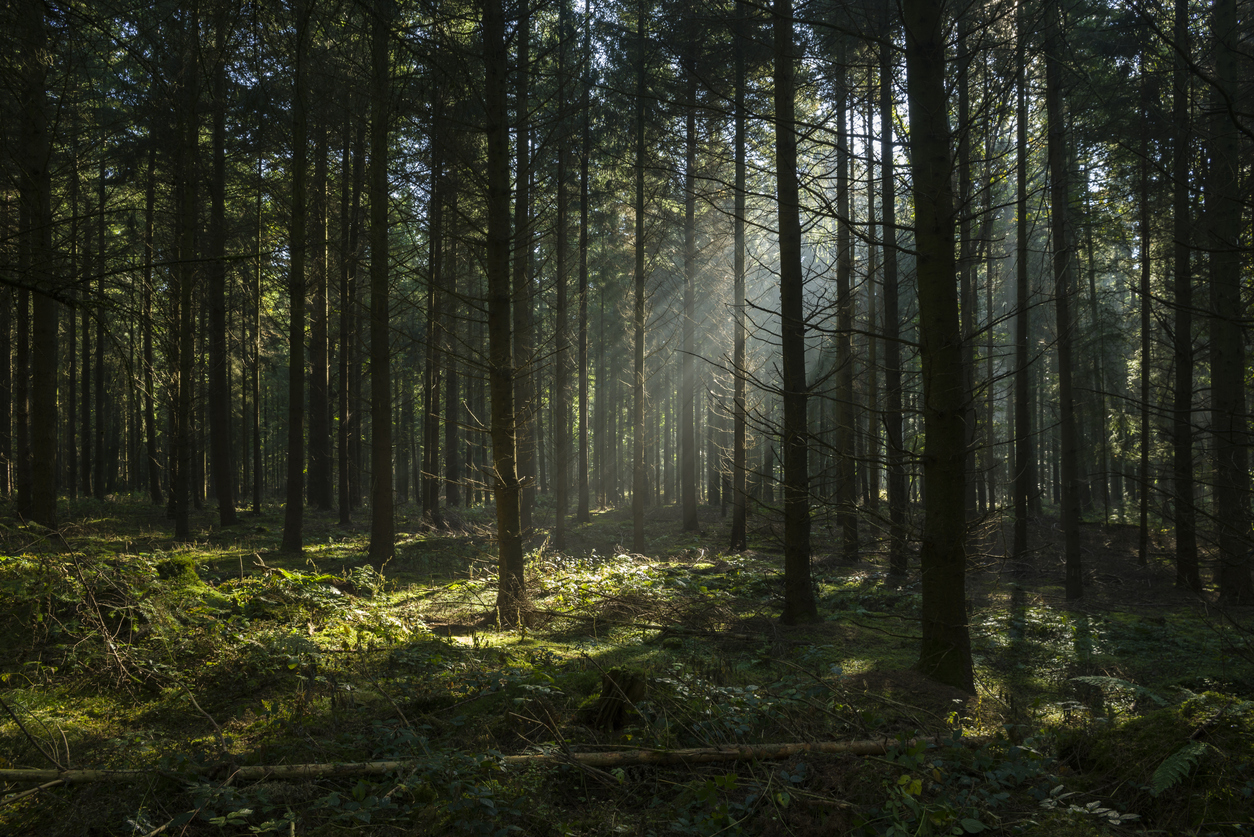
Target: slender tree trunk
[[511, 590], [1024, 453], [582, 515], [966, 256], [321, 495], [1143, 478], [219, 363], [99, 479], [150, 409], [35, 188], [449, 337], [523, 376], [638, 483], [382, 522], [561, 371], [945, 648], [893, 437], [799, 603], [1062, 258], [687, 386], [349, 379], [846, 456], [1187, 573], [294, 511], [185, 178], [740, 511], [1229, 411]]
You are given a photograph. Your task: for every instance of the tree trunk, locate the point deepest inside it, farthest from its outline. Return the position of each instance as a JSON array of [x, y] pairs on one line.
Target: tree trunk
[[294, 511], [1024, 453], [561, 371], [799, 603], [945, 648], [638, 482], [582, 515], [1224, 207], [1062, 258], [846, 472], [511, 590], [687, 385], [349, 379], [893, 438], [219, 363], [321, 495], [35, 188], [740, 511], [382, 522], [187, 132], [523, 373], [1187, 574]]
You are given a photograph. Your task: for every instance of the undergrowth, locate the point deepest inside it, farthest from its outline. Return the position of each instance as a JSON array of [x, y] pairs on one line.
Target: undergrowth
[[191, 663]]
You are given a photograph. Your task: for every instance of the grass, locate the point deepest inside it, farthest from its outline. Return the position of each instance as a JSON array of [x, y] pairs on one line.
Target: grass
[[125, 650]]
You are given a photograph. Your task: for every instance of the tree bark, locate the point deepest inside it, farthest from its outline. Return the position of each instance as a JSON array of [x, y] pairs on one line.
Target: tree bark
[[582, 515], [740, 510], [382, 522], [1229, 412], [945, 649], [1062, 261], [846, 421], [893, 439], [294, 510], [799, 602], [1024, 448], [687, 385], [511, 590], [527, 407], [219, 363], [638, 482]]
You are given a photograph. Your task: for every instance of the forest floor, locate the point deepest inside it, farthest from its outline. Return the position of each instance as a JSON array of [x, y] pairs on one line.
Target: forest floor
[[186, 667]]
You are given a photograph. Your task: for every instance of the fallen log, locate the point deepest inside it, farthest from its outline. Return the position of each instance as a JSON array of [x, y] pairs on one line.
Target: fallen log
[[623, 758]]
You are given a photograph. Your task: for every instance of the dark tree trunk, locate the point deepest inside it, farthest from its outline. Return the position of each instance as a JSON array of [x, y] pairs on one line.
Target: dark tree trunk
[[1060, 197], [382, 521], [799, 603], [638, 482], [523, 375], [349, 379], [1024, 452], [185, 178], [1187, 572], [219, 363], [582, 515], [893, 438], [945, 648], [846, 474], [150, 406], [294, 510], [512, 591], [1229, 417], [321, 495], [740, 511]]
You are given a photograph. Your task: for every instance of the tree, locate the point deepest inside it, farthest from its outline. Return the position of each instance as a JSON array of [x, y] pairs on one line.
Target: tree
[[799, 602], [382, 523], [511, 589], [945, 648]]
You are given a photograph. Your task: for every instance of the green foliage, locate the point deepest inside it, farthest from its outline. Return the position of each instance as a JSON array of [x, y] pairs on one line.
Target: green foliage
[[1177, 765]]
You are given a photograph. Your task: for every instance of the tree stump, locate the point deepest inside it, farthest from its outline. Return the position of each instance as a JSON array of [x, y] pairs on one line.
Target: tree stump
[[621, 689]]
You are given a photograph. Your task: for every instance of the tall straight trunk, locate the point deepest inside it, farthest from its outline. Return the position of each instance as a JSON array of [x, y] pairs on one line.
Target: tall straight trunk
[[799, 602], [893, 438], [582, 514], [21, 381], [638, 482], [321, 495], [740, 511], [945, 647], [428, 487], [1059, 200], [523, 319], [1229, 416], [449, 348], [6, 384], [350, 232], [1024, 453], [294, 511], [185, 177], [99, 478], [966, 255], [687, 385], [150, 400], [219, 363], [70, 452], [874, 443], [1143, 479], [511, 590], [35, 192], [382, 521], [258, 464], [846, 473], [1187, 572], [561, 371]]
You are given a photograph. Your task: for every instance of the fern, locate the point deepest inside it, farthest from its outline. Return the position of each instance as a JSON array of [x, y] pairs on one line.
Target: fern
[[1177, 765]]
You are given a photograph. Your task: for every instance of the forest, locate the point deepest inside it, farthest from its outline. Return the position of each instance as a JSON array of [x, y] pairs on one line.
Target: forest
[[708, 417]]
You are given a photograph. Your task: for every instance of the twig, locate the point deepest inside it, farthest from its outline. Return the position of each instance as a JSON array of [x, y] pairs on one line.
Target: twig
[[30, 737], [19, 796]]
